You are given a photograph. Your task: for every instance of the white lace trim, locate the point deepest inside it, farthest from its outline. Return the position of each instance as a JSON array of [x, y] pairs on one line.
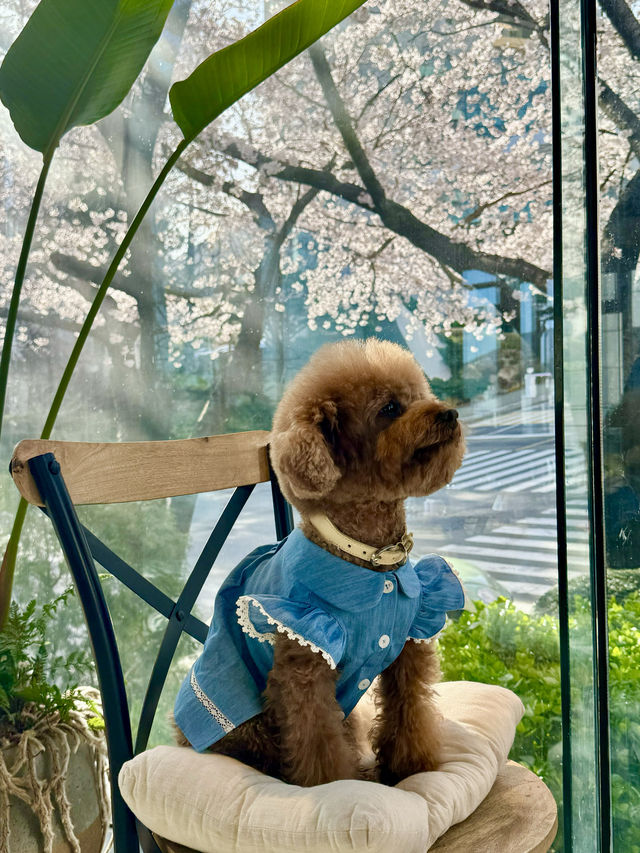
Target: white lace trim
[[426, 639], [224, 722], [244, 620]]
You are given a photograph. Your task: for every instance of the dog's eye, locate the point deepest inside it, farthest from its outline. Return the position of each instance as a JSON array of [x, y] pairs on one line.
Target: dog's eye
[[392, 409]]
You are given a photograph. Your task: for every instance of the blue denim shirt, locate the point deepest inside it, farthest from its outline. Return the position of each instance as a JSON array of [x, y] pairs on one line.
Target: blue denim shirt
[[356, 618]]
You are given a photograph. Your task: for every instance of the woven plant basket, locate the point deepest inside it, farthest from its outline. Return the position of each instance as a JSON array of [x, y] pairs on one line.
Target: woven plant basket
[[53, 787]]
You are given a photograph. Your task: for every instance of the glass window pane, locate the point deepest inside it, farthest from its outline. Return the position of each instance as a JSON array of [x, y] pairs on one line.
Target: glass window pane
[[620, 245], [582, 798], [427, 223]]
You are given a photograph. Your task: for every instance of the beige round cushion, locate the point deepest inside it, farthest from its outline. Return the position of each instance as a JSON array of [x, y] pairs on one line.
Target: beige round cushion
[[215, 804]]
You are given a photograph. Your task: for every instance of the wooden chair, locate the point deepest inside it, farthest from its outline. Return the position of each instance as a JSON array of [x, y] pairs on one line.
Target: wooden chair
[[519, 814]]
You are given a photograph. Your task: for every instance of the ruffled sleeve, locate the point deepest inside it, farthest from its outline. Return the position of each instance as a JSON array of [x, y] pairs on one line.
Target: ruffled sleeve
[[262, 616], [441, 591]]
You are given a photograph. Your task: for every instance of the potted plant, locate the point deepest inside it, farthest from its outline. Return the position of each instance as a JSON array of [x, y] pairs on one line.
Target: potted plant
[[53, 791]]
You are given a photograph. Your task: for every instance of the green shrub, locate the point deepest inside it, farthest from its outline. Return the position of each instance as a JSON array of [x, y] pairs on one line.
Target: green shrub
[[620, 584], [248, 411], [499, 644]]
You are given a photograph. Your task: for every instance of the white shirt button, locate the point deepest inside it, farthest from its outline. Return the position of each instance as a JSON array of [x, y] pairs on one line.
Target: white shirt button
[[383, 642], [388, 586], [362, 685]]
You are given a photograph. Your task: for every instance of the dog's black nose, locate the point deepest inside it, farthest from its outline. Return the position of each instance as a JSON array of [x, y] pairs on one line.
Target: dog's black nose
[[448, 416]]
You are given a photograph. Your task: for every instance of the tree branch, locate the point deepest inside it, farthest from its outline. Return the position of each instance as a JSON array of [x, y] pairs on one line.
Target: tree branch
[[51, 319], [88, 273], [85, 273], [625, 24], [255, 203], [343, 123], [190, 292], [516, 11], [621, 236], [487, 204], [294, 214], [79, 283], [395, 217], [398, 218], [621, 115]]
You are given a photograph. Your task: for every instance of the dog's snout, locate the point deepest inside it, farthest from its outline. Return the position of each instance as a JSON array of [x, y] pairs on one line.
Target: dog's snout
[[448, 416]]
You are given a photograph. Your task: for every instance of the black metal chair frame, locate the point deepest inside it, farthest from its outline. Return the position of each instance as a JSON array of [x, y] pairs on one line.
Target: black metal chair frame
[[82, 550]]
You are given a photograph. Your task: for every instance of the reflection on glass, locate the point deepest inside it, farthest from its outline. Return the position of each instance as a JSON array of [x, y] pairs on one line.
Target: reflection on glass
[[620, 345], [581, 798]]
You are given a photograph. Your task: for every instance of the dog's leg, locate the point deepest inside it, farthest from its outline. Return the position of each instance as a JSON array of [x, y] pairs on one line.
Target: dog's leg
[[301, 698], [405, 733]]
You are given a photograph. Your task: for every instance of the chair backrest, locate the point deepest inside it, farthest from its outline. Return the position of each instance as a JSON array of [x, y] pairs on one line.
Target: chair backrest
[[58, 475]]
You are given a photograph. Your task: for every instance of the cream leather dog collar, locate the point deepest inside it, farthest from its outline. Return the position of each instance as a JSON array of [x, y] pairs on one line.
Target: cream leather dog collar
[[389, 555]]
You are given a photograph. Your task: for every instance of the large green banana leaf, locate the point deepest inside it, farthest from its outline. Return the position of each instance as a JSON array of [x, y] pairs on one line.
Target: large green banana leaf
[[74, 62], [231, 72]]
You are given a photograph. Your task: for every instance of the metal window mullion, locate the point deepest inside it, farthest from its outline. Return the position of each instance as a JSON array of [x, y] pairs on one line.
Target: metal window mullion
[[560, 448], [594, 410]]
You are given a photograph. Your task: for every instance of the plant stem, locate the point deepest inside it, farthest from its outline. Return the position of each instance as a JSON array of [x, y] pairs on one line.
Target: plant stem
[[12, 316], [7, 569], [9, 562], [102, 291]]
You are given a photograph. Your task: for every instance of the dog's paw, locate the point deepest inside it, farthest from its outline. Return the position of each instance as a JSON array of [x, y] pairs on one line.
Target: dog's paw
[[395, 765]]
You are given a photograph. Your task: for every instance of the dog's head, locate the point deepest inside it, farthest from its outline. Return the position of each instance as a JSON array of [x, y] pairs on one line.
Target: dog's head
[[360, 422]]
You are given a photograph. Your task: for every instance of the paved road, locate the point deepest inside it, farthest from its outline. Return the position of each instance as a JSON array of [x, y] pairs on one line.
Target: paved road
[[498, 514]]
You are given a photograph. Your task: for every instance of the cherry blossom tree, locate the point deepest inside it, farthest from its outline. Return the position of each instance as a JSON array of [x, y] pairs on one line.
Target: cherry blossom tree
[[429, 147], [410, 147]]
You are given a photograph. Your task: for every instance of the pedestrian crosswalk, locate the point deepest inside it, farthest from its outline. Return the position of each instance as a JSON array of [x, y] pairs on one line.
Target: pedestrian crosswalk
[[529, 469], [516, 417], [523, 555]]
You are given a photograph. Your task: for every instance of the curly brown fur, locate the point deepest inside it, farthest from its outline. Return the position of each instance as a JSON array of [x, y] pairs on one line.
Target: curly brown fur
[[255, 742], [315, 746], [301, 736], [356, 432], [405, 734]]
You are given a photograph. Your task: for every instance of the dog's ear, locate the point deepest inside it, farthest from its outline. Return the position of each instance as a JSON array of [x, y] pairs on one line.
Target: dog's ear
[[301, 454]]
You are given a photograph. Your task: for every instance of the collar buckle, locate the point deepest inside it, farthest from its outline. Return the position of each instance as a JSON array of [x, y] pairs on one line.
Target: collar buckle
[[404, 545]]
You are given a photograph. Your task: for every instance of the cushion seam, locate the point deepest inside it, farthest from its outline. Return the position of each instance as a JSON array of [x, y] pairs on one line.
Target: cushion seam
[[295, 832]]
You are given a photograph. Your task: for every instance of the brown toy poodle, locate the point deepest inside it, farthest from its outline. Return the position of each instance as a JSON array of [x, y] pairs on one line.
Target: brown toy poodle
[[302, 629]]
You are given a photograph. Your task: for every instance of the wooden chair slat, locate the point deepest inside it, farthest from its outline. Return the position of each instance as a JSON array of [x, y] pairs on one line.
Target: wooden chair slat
[[105, 473]]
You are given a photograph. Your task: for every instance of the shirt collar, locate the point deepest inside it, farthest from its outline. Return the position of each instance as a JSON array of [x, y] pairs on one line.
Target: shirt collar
[[339, 582]]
